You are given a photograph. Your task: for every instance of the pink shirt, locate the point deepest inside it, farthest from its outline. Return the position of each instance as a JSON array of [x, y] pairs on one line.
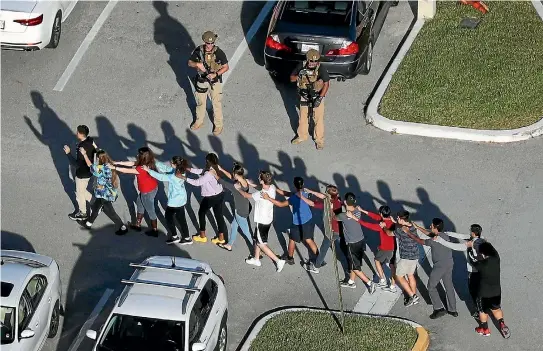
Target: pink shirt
[[207, 182]]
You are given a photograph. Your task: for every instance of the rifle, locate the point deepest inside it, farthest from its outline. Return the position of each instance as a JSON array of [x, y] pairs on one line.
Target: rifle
[[208, 69]]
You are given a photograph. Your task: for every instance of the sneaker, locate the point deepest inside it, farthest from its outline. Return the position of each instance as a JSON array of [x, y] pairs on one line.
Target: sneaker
[[322, 264], [475, 315], [504, 330], [288, 260], [454, 314], [416, 299], [153, 233], [77, 216], [255, 262], [83, 223], [409, 301], [482, 331], [438, 313], [391, 288], [371, 287], [217, 241], [173, 240], [346, 284], [280, 265], [122, 231], [310, 267], [217, 131], [297, 141], [186, 241], [382, 283], [199, 239]]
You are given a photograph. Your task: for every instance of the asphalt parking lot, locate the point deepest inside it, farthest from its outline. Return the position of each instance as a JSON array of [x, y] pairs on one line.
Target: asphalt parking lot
[[131, 87]]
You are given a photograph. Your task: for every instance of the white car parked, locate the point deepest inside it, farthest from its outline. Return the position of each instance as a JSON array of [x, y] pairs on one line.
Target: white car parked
[[31, 292], [33, 24], [169, 303]]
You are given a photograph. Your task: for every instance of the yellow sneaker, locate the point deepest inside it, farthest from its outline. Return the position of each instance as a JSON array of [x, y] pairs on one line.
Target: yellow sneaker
[[217, 241], [199, 239]]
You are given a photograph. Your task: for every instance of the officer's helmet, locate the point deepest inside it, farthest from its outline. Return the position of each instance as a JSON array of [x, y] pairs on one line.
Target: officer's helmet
[[313, 57], [209, 37]]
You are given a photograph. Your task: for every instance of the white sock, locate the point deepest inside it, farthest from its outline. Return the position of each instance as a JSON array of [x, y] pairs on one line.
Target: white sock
[[383, 281], [351, 281], [123, 227], [88, 224]]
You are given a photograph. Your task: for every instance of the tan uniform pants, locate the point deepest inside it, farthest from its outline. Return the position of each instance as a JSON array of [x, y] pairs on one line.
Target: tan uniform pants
[[201, 101], [318, 118], [82, 195]]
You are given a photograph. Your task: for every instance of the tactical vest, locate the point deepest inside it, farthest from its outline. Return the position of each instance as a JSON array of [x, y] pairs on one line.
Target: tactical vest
[[308, 76], [209, 59]]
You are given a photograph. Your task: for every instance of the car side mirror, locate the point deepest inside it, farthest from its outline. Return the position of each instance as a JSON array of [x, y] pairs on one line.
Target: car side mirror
[[27, 333], [91, 334], [198, 346]]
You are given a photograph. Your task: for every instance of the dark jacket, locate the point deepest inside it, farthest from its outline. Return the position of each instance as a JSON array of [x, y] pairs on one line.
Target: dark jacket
[[82, 170]]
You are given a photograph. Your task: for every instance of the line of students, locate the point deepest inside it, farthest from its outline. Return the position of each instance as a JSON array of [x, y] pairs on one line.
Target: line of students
[[399, 239]]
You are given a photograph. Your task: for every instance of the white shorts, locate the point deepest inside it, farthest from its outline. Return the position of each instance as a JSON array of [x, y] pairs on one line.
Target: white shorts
[[405, 267]]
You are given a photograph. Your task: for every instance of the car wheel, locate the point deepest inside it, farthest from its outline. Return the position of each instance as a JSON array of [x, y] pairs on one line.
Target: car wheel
[[56, 31], [368, 58], [55, 320], [223, 337]]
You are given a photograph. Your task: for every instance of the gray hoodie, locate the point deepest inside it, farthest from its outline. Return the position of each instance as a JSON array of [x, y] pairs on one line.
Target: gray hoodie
[[471, 252]]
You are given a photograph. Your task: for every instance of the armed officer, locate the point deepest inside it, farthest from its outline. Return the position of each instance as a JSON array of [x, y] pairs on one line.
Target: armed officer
[[211, 63], [313, 82]]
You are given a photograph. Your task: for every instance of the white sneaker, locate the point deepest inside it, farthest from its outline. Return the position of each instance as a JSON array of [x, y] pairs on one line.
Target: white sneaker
[[253, 261], [371, 287], [382, 283], [280, 265], [391, 289]]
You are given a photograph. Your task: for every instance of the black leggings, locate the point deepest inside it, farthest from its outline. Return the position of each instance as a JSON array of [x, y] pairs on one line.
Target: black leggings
[[215, 202], [176, 213], [107, 207]]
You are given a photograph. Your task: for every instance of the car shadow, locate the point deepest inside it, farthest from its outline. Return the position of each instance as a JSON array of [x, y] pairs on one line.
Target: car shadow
[[14, 241], [103, 261], [249, 11]]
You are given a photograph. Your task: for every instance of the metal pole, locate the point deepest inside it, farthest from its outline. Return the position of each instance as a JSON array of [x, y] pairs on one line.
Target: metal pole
[[329, 233]]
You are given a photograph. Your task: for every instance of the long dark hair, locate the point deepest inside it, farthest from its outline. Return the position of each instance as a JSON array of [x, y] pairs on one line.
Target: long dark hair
[[146, 157], [104, 159], [212, 162], [181, 165]]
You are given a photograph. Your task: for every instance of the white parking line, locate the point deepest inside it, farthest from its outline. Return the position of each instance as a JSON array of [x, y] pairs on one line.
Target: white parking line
[[248, 37], [84, 46], [88, 324]]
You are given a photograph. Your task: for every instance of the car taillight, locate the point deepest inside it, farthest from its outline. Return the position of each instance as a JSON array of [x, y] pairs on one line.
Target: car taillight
[[349, 49], [273, 42], [30, 22]]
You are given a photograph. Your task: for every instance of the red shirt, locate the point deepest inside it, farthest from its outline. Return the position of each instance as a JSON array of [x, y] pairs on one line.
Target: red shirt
[[146, 183], [387, 242], [336, 205]]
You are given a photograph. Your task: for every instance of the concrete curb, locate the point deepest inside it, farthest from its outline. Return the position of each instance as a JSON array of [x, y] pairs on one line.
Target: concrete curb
[[422, 343], [398, 127]]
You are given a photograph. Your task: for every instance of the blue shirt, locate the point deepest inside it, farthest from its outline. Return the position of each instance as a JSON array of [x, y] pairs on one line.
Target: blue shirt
[[301, 212], [177, 194]]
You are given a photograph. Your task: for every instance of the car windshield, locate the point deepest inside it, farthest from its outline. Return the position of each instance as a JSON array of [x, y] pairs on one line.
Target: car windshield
[[8, 324], [124, 333], [332, 13]]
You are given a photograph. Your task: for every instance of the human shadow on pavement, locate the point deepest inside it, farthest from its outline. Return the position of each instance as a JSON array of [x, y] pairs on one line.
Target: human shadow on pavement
[[178, 43], [249, 12], [110, 141], [55, 133], [14, 241], [290, 101], [103, 261]]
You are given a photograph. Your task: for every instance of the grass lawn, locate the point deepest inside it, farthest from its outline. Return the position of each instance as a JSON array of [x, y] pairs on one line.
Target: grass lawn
[[490, 77], [316, 331]]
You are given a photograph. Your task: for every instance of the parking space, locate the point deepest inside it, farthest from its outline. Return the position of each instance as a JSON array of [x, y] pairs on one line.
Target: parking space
[[132, 88]]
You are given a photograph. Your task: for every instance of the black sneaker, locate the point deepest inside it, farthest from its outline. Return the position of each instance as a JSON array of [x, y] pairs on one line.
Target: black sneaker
[[83, 223], [438, 313], [122, 231], [185, 241], [77, 216], [173, 240], [454, 314], [345, 284], [152, 232], [289, 260]]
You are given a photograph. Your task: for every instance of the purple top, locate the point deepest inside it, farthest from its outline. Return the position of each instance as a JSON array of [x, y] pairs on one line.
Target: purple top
[[207, 182]]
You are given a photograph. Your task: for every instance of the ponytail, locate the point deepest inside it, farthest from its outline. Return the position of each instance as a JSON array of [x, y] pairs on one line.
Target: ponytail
[[181, 165]]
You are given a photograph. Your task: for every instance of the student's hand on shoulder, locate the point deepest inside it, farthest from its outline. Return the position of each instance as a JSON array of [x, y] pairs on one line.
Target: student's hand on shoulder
[[66, 149], [145, 168], [82, 150], [382, 224]]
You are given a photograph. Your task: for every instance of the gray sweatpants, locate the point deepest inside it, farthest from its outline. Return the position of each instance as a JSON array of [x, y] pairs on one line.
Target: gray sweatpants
[[442, 272]]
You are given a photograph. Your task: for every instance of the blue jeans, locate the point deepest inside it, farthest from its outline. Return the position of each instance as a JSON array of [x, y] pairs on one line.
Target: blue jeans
[[146, 202], [242, 223]]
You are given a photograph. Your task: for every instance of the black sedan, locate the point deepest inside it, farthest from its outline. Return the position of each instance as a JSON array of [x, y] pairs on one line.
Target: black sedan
[[344, 33]]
